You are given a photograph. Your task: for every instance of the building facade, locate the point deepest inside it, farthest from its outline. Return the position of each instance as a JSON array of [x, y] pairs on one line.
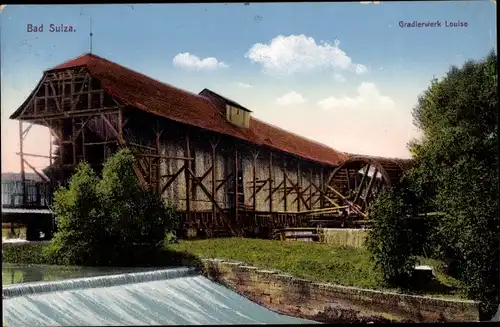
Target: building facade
[[221, 167]]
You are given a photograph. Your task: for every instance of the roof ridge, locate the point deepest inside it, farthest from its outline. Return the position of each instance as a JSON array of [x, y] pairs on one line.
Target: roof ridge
[[128, 69], [297, 135], [186, 107]]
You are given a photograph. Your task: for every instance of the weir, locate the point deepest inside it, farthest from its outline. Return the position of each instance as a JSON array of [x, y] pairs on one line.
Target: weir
[[162, 297]]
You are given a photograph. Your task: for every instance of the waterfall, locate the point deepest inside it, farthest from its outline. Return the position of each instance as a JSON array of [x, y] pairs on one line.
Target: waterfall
[[162, 297]]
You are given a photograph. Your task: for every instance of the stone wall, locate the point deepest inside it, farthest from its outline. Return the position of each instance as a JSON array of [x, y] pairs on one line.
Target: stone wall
[[332, 303]]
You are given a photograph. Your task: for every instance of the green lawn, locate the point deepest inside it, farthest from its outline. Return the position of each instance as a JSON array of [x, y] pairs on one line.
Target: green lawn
[[313, 261]]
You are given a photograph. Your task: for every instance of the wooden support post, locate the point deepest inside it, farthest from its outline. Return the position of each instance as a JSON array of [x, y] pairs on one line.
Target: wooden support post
[[21, 156], [299, 186], [50, 147], [187, 164], [270, 182], [370, 185], [360, 188], [285, 194], [214, 176], [310, 189], [84, 152], [254, 177], [73, 140], [322, 187], [158, 161], [120, 123], [46, 99], [61, 151], [236, 184]]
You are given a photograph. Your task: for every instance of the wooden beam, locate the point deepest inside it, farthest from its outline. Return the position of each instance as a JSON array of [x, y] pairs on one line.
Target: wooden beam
[[73, 140], [261, 186], [101, 143], [187, 163], [322, 187], [172, 178], [21, 152], [353, 206], [294, 186], [158, 162], [76, 113], [236, 184], [224, 181], [299, 187], [214, 145], [270, 182], [26, 131], [211, 198], [360, 187], [36, 171], [285, 195], [370, 186], [84, 150], [50, 148], [254, 177], [274, 190]]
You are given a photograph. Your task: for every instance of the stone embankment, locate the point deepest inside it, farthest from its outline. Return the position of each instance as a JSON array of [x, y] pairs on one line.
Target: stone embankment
[[333, 303]]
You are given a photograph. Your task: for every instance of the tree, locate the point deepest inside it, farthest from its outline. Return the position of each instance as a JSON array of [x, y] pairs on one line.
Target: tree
[[456, 172], [105, 221]]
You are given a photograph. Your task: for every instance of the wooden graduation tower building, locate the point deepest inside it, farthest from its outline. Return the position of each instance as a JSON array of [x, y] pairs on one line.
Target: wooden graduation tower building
[[222, 168]]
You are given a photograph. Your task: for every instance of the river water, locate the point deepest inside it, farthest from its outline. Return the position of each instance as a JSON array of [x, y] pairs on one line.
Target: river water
[[73, 296]]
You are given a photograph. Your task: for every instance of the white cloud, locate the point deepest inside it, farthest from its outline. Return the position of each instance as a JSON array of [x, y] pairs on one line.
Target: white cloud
[[360, 69], [290, 99], [2, 7], [368, 97], [244, 85], [299, 53], [191, 61], [339, 78]]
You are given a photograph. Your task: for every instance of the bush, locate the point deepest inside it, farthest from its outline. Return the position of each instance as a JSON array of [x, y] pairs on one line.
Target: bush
[[25, 253], [390, 240], [103, 221]]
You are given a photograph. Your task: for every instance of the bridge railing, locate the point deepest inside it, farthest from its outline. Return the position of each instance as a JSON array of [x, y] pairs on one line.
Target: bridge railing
[[36, 194]]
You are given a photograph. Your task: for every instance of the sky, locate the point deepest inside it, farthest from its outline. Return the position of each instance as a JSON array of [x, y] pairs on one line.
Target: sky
[[344, 74]]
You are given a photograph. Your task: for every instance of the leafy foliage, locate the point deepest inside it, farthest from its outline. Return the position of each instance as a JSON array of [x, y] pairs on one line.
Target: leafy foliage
[[456, 172], [390, 239], [103, 221]]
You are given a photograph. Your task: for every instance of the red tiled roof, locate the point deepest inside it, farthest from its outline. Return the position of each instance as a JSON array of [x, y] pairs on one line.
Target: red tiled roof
[[165, 100]]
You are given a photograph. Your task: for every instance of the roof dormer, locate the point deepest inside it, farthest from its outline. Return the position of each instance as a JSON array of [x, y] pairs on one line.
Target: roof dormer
[[234, 112]]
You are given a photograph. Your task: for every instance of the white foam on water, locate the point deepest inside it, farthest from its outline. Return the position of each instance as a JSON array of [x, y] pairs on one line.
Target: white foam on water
[[94, 282], [192, 300]]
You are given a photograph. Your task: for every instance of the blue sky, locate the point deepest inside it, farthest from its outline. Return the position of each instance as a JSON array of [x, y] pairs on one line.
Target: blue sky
[[345, 74]]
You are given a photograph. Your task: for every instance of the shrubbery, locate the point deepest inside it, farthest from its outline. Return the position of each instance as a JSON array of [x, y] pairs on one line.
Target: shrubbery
[[390, 241], [103, 221]]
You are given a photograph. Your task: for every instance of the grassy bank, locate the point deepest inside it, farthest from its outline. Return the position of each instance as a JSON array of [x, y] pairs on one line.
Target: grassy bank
[[313, 261]]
